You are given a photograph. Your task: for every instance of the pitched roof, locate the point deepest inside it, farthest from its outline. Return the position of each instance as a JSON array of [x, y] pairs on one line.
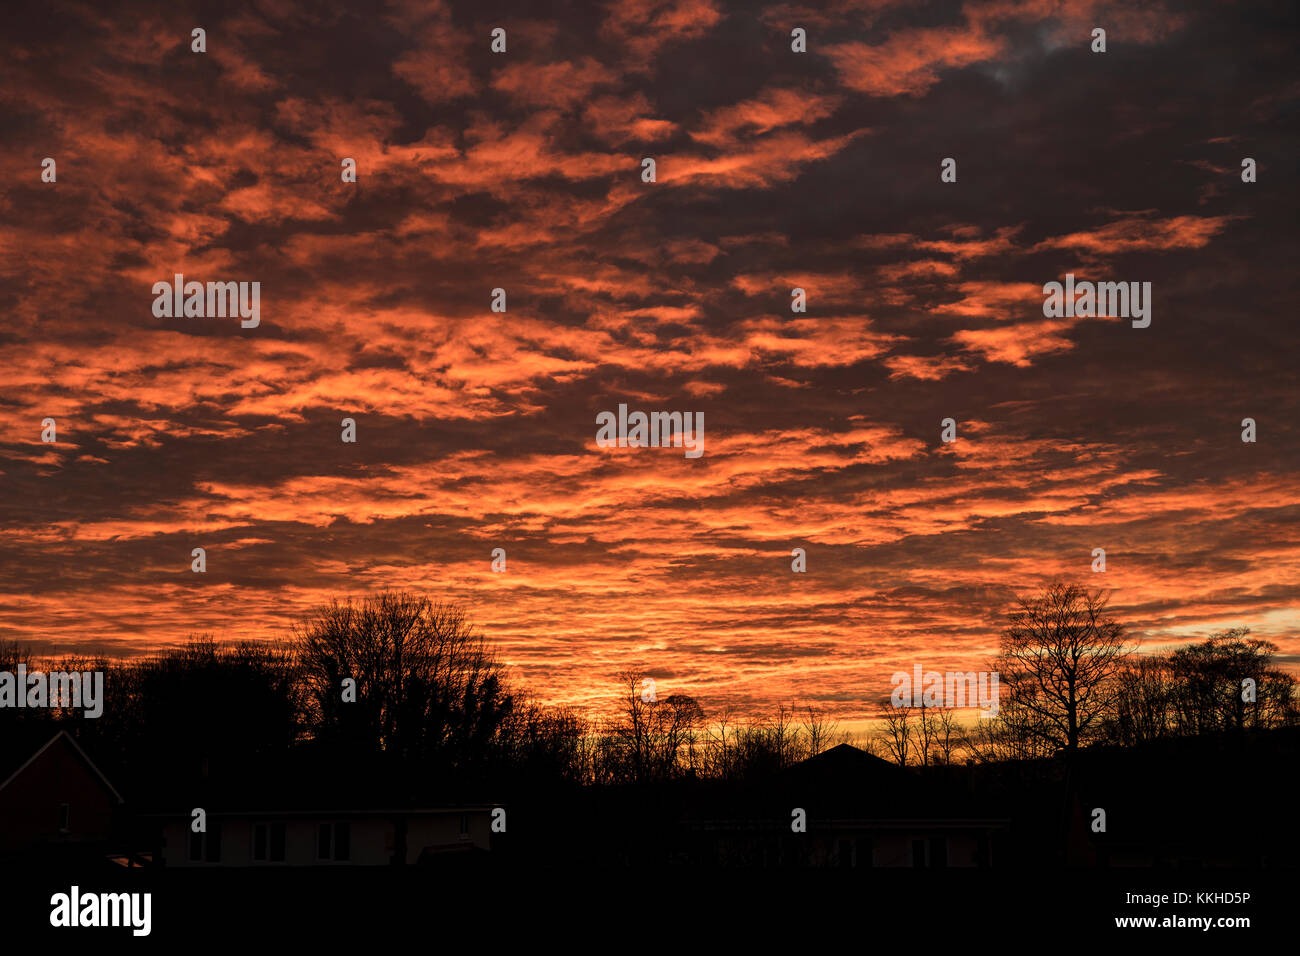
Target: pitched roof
[[76, 747]]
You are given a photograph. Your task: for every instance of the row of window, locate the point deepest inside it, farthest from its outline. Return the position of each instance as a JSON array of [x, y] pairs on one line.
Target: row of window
[[333, 843], [932, 852]]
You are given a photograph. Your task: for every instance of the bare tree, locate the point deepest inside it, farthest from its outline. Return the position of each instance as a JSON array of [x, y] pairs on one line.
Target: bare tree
[[926, 731], [1056, 663], [719, 755], [12, 655], [552, 742], [784, 737], [1143, 706], [653, 738], [633, 730], [1012, 735], [1209, 695], [818, 730], [897, 732], [426, 683], [949, 737], [867, 742], [676, 723]]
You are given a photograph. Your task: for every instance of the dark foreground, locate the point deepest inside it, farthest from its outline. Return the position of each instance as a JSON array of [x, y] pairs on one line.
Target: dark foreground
[[486, 905]]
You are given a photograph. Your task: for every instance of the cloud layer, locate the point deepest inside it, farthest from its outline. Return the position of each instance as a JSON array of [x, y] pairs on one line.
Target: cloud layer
[[476, 429]]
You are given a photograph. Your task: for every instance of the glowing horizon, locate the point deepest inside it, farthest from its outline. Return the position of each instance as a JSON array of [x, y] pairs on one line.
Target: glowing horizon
[[477, 430]]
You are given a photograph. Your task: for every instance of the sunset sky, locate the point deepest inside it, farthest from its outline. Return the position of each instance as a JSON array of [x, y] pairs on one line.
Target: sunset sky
[[775, 170]]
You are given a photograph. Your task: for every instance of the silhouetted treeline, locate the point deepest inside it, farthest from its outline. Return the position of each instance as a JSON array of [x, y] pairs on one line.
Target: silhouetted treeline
[[405, 688], [654, 738], [1069, 679], [1226, 684]]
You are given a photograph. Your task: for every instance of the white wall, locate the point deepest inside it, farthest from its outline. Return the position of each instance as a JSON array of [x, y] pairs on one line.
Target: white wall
[[372, 839]]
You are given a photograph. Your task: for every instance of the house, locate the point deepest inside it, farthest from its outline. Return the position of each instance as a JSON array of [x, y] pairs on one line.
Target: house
[[51, 793], [1205, 801], [853, 810], [853, 842], [322, 836]]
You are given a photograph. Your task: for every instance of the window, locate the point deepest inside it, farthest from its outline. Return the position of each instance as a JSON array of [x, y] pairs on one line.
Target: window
[[334, 842], [864, 852], [268, 842], [206, 847], [931, 852], [938, 851], [65, 814]]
